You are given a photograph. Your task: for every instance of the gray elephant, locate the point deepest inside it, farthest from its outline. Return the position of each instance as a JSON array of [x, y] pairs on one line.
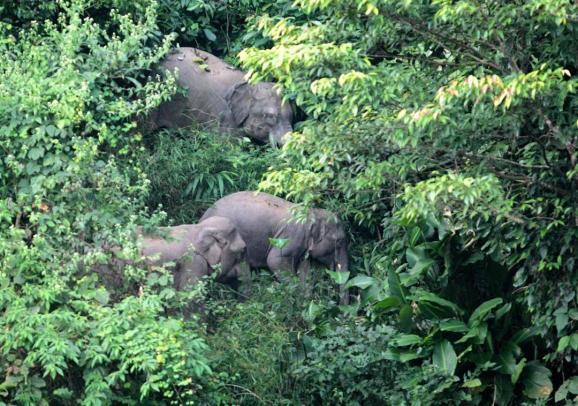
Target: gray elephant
[[197, 250], [260, 217], [189, 251], [218, 93]]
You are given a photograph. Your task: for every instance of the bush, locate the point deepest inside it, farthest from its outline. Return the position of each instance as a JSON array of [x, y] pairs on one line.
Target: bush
[[442, 138], [252, 344], [192, 169], [69, 93]]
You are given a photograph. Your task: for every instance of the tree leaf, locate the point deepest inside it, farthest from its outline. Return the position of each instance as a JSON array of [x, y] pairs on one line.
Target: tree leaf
[[361, 281], [404, 340], [209, 34], [338, 277], [444, 357], [563, 343], [395, 287], [455, 326], [536, 380], [413, 255], [447, 308], [387, 303], [483, 310], [561, 321], [102, 296], [473, 383]]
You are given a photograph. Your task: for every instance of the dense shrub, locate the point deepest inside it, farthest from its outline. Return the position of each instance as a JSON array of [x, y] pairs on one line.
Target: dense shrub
[[442, 132], [69, 92], [192, 169], [437, 131]]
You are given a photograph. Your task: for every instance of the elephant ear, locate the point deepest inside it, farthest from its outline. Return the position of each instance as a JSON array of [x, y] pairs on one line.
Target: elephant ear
[[317, 231], [210, 246], [239, 99]]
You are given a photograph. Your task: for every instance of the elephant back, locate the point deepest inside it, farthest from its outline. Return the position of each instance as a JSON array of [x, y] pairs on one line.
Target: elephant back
[[207, 80], [257, 217]]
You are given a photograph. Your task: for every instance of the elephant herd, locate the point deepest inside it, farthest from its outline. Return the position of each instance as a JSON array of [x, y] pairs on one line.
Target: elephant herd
[[244, 230]]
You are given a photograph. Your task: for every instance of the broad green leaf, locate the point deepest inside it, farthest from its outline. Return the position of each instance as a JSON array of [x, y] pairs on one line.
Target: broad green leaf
[[502, 311], [518, 371], [455, 326], [404, 340], [444, 357], [406, 356], [523, 335], [394, 354], [102, 296], [405, 318], [209, 34], [445, 305], [395, 287], [536, 380], [561, 321], [473, 383], [506, 359], [574, 341], [387, 303], [35, 153], [563, 343], [415, 273], [569, 386], [483, 310], [338, 277], [361, 281], [312, 311], [476, 335], [414, 255]]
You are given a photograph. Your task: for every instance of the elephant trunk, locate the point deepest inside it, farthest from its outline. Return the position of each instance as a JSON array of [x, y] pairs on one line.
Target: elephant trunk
[[342, 265], [277, 134]]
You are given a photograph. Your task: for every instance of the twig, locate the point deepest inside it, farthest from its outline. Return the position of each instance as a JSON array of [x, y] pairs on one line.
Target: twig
[[248, 391]]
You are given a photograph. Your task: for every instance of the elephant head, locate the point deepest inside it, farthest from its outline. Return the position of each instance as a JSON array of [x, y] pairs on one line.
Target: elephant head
[[260, 112], [328, 244], [219, 242]]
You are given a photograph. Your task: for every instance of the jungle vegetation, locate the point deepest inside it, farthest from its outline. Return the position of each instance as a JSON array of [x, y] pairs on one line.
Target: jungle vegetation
[[442, 132]]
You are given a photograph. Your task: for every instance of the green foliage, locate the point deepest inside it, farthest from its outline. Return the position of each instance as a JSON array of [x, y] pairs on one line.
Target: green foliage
[[442, 131], [192, 169], [347, 365], [216, 26], [253, 344], [435, 130], [70, 92]]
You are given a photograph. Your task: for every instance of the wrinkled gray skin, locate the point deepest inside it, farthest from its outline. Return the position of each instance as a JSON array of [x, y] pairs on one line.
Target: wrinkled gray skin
[[194, 251], [218, 94], [197, 250], [261, 216]]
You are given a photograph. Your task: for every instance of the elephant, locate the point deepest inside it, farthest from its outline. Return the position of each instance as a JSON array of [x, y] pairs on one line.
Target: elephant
[[218, 93], [189, 251], [261, 217], [197, 250]]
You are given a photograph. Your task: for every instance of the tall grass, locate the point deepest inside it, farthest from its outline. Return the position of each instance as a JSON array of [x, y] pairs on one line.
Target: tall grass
[[190, 169]]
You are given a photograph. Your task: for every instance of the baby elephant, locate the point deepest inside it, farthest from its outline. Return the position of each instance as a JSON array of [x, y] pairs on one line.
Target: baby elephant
[[218, 94], [197, 250], [261, 218]]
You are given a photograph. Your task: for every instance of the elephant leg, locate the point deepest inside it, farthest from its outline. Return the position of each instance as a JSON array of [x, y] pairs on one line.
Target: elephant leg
[[303, 273], [187, 275], [246, 282], [278, 263]]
